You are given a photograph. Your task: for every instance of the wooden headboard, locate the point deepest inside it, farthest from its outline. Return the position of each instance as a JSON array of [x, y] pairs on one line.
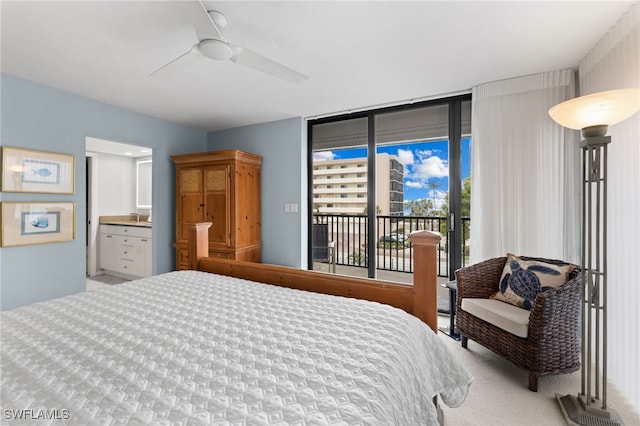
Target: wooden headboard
[[419, 300]]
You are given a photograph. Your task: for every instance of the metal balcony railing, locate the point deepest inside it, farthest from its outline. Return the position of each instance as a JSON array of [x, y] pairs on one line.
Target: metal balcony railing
[[348, 235]]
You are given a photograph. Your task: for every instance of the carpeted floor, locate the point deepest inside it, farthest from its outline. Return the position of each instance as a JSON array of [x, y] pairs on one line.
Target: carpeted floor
[[499, 394]]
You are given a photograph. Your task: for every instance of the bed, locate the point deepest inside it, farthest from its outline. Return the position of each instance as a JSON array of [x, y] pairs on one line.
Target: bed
[[195, 347]]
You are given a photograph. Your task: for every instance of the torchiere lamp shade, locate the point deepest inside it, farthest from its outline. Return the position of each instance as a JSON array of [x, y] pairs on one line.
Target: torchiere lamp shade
[[597, 110]]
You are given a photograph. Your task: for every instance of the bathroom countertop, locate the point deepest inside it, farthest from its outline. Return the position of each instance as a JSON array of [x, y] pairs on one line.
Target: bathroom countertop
[[125, 220], [127, 223]]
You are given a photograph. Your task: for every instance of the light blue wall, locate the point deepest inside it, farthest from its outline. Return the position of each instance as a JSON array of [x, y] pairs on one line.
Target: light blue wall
[[283, 145], [42, 118]]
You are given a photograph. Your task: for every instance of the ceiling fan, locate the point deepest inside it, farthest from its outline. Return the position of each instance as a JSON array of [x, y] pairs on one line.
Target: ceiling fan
[[213, 45]]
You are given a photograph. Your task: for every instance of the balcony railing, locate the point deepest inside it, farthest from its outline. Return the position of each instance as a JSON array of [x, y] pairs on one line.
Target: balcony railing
[[348, 233]]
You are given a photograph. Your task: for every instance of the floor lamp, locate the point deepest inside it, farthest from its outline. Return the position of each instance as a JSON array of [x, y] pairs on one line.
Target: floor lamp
[[593, 114]]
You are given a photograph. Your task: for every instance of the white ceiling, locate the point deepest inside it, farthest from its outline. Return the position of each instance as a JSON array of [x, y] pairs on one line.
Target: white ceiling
[[116, 148], [356, 54]]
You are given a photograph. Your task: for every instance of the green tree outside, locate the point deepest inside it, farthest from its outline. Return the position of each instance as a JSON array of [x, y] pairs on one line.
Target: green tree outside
[[465, 204]]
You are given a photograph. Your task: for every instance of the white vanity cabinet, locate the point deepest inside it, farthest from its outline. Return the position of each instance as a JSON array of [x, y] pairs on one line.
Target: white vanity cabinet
[[125, 251]]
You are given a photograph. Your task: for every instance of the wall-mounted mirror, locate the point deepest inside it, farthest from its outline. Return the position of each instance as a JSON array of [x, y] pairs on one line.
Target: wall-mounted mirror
[[143, 184]]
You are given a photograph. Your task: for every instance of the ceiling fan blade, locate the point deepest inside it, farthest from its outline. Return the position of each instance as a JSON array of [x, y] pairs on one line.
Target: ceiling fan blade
[[254, 60], [202, 22], [191, 56]]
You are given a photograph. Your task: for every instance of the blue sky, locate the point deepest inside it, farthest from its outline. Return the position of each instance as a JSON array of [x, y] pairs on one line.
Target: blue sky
[[424, 162]]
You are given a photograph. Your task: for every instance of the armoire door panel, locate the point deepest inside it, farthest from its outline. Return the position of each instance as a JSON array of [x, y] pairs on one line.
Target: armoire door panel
[[217, 179], [218, 215], [192, 210], [216, 192], [190, 181], [247, 224], [191, 201]]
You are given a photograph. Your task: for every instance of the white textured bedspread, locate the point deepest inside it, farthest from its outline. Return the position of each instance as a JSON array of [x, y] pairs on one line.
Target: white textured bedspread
[[196, 348]]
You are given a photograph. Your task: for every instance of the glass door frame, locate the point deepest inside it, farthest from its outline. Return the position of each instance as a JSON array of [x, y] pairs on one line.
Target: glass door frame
[[454, 221]]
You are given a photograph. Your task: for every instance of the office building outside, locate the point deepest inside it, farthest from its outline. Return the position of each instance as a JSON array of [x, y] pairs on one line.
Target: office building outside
[[340, 186]]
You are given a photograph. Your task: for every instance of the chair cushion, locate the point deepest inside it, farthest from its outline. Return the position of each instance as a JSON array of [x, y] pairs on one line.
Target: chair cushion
[[503, 315], [523, 278]]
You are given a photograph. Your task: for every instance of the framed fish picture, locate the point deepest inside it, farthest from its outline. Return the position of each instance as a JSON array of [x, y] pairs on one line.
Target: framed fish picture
[[26, 170], [36, 223]]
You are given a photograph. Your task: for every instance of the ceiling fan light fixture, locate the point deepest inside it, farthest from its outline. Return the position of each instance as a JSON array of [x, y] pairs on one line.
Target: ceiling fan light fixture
[[218, 18], [216, 49]]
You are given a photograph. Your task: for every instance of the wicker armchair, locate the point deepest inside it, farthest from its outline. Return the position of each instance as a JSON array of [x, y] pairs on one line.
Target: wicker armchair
[[553, 342]]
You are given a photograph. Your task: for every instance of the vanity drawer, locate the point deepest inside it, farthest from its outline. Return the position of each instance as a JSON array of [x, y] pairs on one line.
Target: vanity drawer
[[135, 231], [129, 248], [131, 267]]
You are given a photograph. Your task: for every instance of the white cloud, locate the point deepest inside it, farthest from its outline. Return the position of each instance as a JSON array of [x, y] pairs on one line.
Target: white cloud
[[424, 153], [406, 156], [431, 167], [415, 184], [323, 156], [439, 198]]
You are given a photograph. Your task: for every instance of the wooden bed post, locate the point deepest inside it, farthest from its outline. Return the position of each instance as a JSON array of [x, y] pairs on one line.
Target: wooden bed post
[[425, 281], [197, 242]]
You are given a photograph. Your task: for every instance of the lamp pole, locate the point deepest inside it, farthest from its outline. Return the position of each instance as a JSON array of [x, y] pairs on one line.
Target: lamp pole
[[594, 263], [584, 409]]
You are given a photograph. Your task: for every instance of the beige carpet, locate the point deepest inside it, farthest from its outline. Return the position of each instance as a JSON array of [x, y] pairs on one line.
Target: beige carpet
[[499, 394]]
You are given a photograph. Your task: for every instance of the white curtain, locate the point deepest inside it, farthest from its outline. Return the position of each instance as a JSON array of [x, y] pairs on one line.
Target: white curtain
[[525, 193], [614, 63]]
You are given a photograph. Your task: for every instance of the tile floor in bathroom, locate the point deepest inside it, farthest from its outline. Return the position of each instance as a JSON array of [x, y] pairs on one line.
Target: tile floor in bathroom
[[103, 281]]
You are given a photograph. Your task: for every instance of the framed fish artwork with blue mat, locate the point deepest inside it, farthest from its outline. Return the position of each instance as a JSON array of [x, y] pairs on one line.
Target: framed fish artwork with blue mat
[[26, 170], [36, 223]]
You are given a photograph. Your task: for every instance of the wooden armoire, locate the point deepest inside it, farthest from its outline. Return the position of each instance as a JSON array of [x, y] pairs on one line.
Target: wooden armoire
[[221, 187]]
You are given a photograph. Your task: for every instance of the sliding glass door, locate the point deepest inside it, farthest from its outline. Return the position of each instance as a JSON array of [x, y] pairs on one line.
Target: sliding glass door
[[377, 176], [339, 196]]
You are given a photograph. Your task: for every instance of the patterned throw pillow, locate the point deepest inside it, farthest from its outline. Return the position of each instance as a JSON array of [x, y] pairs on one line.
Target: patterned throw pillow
[[523, 278]]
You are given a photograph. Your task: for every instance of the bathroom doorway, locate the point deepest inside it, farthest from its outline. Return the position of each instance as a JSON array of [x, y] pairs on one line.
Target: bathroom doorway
[[112, 188]]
